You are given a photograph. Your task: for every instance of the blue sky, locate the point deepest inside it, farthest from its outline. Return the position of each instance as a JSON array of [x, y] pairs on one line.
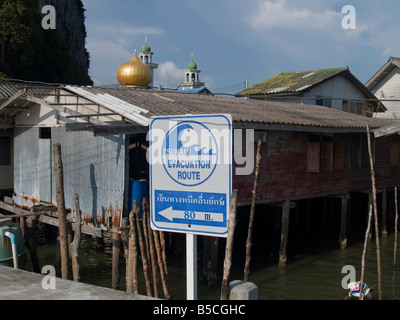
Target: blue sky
[[233, 39]]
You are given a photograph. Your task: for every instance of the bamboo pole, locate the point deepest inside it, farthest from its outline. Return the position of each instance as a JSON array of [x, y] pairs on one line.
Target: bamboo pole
[[163, 251], [152, 250], [62, 213], [365, 247], [252, 213], [133, 255], [229, 247], [160, 265], [378, 251], [142, 250], [395, 226], [74, 248]]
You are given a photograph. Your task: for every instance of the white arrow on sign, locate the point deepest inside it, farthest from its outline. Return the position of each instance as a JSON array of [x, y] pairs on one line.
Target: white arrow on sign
[[172, 214]]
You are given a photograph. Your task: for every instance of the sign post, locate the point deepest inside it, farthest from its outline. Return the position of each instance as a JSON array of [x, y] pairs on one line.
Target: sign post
[[191, 179], [191, 266]]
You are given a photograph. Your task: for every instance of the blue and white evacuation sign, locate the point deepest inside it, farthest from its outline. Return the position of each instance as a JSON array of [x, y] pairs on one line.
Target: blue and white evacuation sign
[[191, 173]]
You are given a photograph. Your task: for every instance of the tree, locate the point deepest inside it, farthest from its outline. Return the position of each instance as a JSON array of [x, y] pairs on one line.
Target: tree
[[29, 52]]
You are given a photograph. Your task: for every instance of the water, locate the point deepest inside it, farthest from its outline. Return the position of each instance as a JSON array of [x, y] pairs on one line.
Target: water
[[310, 274]]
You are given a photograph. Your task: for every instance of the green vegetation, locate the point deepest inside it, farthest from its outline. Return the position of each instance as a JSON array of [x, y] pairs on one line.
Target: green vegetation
[[29, 52]]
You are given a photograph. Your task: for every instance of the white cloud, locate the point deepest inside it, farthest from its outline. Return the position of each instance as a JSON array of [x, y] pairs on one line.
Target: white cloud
[[168, 75], [105, 58], [281, 15]]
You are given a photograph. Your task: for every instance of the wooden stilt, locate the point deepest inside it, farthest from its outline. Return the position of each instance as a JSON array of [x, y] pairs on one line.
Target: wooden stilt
[[367, 232], [62, 212], [160, 265], [378, 251], [396, 221], [133, 255], [116, 251], [125, 246], [384, 213], [229, 247], [163, 251], [74, 249], [284, 233], [210, 256], [22, 225], [142, 251], [153, 254], [31, 243], [343, 223], [252, 214]]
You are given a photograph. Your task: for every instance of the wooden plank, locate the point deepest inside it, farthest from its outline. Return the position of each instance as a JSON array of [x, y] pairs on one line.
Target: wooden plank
[[45, 217]]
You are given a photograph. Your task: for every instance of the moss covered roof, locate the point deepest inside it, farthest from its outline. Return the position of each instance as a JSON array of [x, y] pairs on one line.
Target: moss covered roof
[[289, 82]]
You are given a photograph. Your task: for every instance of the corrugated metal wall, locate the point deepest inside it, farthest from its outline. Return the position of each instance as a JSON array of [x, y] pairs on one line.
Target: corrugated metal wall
[[93, 166]]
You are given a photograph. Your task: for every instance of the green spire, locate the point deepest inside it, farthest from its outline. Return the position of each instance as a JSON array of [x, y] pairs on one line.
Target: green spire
[[145, 47], [192, 65]]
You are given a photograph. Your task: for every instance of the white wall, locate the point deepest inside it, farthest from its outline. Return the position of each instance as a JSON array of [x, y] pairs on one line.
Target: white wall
[[339, 88], [389, 88]]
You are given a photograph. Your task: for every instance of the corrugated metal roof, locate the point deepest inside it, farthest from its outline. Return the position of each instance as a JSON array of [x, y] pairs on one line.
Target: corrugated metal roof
[[12, 99], [160, 103], [292, 82], [138, 106]]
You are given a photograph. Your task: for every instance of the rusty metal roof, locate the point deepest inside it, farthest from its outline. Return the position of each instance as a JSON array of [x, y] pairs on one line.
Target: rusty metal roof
[[160, 103]]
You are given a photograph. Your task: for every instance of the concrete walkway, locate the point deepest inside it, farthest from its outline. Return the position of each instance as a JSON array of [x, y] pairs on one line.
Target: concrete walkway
[[24, 285]]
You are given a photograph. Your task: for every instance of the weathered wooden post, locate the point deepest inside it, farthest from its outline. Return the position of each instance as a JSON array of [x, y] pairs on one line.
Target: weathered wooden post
[[160, 265], [252, 213], [133, 256], [396, 221], [152, 250], [125, 245], [31, 243], [77, 238], [142, 251], [378, 251], [284, 233], [229, 247], [62, 212], [384, 213], [365, 246], [343, 223], [116, 251]]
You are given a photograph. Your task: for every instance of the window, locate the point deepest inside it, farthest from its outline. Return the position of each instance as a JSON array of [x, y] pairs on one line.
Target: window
[[395, 153], [324, 101], [359, 155], [44, 133], [352, 107], [5, 151], [322, 156]]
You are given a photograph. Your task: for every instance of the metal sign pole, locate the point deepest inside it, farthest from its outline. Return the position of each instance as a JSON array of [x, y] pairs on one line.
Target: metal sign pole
[[191, 266]]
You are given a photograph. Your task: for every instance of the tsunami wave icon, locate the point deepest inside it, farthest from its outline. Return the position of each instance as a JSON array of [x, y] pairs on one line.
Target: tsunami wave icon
[[189, 153]]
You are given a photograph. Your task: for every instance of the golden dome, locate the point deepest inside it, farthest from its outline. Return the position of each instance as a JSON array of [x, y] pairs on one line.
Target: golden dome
[[134, 73]]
